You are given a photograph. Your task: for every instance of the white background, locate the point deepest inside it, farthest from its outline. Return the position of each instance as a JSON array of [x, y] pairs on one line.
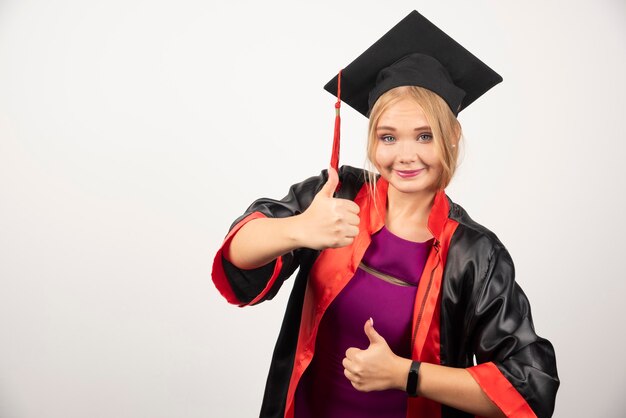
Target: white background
[[133, 132]]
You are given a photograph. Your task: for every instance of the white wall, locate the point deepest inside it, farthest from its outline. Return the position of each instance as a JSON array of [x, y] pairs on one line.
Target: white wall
[[133, 132]]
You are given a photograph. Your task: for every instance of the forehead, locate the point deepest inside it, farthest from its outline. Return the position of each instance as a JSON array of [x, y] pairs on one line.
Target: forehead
[[404, 111]]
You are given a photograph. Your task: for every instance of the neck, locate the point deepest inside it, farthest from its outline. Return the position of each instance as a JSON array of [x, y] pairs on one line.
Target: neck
[[405, 207]]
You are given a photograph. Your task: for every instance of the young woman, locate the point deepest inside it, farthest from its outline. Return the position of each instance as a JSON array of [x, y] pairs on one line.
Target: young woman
[[399, 291]]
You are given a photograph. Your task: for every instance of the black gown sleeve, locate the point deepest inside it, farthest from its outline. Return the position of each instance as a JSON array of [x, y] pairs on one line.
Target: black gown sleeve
[[516, 368]]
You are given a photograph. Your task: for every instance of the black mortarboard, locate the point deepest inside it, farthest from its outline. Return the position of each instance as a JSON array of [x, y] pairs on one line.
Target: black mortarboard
[[415, 53]]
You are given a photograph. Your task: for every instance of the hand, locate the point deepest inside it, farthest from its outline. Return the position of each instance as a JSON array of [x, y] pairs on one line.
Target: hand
[[329, 222], [377, 367]]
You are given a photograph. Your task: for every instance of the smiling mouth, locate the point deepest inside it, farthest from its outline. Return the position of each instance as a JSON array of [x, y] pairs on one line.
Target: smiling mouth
[[409, 173]]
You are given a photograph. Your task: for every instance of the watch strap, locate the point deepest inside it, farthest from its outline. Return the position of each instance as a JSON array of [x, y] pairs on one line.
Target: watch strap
[[411, 381]]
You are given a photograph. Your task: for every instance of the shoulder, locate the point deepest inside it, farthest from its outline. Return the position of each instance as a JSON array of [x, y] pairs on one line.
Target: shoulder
[[473, 242], [348, 173], [476, 256], [471, 231], [352, 180]]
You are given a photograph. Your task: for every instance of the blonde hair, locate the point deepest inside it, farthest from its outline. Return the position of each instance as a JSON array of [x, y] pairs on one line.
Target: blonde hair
[[446, 129]]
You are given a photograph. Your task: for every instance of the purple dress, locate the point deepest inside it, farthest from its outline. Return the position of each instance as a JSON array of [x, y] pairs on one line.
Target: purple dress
[[323, 390]]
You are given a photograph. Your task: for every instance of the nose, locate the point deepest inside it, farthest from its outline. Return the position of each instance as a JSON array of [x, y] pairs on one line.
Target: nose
[[407, 152]]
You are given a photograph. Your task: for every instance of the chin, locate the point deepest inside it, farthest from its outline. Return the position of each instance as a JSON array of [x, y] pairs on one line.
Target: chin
[[419, 184], [403, 187]]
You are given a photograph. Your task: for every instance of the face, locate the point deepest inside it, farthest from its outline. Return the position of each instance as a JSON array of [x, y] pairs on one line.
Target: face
[[405, 152]]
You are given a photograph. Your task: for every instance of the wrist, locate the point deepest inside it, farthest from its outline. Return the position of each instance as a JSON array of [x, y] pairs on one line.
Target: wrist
[[295, 231], [402, 372]]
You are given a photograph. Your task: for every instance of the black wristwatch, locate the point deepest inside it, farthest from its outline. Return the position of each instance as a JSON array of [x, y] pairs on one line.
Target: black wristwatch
[[411, 381]]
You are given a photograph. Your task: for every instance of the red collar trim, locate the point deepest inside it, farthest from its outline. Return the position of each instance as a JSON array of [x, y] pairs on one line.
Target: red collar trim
[[438, 214]]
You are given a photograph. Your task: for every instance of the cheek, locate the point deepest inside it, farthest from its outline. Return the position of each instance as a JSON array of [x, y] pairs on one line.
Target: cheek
[[437, 168], [382, 156], [431, 157]]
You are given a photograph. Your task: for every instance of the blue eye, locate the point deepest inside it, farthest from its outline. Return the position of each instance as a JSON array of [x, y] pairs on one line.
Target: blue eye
[[425, 138], [387, 138]]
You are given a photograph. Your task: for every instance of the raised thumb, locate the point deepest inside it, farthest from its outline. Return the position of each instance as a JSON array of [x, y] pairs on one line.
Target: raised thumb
[[331, 183], [371, 333]]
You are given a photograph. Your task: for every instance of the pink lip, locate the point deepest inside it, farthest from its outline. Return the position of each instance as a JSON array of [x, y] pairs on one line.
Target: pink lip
[[409, 173]]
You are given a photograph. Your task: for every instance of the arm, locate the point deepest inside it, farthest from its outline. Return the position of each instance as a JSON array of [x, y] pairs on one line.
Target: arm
[[263, 240], [378, 368], [327, 223], [450, 386], [516, 368], [263, 246]]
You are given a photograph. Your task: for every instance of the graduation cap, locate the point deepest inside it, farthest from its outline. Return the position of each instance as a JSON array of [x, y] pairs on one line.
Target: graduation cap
[[415, 52]]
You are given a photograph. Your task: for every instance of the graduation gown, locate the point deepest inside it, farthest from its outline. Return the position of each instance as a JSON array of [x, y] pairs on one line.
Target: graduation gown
[[468, 306]]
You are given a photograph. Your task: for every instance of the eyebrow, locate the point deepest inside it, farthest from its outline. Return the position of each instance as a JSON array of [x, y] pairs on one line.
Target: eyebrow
[[391, 128]]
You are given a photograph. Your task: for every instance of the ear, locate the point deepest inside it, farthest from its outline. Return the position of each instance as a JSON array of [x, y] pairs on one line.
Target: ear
[[457, 135]]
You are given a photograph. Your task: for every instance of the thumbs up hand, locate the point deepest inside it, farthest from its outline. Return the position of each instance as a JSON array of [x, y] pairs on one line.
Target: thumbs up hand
[[329, 222], [377, 367]]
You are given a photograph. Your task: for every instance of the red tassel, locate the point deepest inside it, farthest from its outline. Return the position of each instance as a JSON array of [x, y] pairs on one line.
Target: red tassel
[[334, 159]]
